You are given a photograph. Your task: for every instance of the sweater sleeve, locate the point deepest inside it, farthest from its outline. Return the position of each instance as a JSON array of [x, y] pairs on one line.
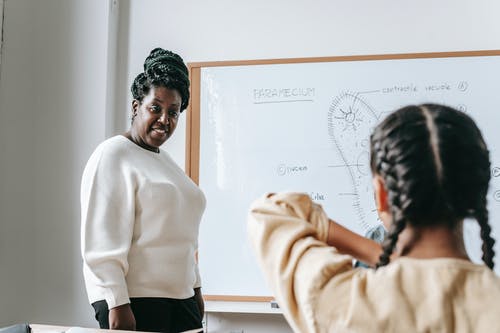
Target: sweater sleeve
[[107, 208], [288, 232]]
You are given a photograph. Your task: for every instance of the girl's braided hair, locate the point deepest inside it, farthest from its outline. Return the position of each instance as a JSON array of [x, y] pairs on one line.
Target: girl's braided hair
[[436, 170], [162, 68]]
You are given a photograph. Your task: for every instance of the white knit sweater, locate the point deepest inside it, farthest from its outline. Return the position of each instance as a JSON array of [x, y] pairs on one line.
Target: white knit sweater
[[140, 222]]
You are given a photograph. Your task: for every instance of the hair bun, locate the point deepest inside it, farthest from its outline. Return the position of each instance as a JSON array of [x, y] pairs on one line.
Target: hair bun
[[159, 56], [163, 68]]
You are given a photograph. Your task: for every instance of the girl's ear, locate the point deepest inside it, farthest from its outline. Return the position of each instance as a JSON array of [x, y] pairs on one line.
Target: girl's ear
[[381, 200]]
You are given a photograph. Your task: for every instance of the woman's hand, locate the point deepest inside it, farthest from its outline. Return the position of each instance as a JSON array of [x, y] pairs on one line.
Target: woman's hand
[[199, 299], [122, 318]]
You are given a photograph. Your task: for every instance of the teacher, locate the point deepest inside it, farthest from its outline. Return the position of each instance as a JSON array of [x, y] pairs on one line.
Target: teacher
[[141, 214]]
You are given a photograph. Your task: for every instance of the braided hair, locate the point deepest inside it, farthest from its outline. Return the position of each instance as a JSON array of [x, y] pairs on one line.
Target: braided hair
[[162, 68], [436, 170]]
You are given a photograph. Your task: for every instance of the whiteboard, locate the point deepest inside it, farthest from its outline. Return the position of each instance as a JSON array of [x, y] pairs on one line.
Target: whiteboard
[[304, 125]]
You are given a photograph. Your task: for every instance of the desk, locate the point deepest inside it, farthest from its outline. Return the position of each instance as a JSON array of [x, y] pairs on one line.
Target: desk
[[240, 307], [37, 328]]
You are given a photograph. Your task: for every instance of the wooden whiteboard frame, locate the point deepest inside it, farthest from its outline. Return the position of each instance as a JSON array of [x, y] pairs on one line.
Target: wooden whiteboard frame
[[192, 163]]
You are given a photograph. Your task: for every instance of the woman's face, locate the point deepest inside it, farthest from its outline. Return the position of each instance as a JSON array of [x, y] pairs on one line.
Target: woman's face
[[155, 118]]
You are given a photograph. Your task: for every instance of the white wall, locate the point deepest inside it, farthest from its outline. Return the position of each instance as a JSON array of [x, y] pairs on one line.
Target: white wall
[[16, 173], [1, 29], [53, 90], [57, 96]]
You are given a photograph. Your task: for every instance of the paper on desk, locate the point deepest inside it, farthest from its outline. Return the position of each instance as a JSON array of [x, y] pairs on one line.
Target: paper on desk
[[76, 329]]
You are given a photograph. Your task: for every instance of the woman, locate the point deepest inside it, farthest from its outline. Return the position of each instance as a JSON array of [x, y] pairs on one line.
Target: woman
[[431, 170], [141, 214]]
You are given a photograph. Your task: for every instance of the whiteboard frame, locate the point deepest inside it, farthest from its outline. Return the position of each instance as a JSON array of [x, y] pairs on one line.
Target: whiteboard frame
[[192, 162]]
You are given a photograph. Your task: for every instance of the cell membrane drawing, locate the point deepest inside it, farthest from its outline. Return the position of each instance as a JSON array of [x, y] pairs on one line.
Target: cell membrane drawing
[[350, 122]]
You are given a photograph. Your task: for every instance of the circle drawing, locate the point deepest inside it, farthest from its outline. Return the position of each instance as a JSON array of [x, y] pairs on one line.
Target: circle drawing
[[281, 169]]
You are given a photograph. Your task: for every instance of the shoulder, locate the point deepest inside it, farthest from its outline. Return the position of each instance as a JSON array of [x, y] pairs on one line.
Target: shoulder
[[457, 278], [110, 154], [415, 287], [115, 146]]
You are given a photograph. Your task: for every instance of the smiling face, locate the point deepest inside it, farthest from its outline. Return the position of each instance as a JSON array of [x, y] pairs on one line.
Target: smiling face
[[155, 117]]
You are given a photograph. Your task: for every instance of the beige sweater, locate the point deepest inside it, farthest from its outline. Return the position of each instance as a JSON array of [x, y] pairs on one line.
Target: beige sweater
[[320, 291]]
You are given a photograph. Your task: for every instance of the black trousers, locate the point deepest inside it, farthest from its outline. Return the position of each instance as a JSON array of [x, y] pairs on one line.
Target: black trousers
[[157, 314]]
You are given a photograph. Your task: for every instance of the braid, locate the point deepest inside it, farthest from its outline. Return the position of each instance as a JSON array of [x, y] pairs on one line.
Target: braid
[[139, 87], [481, 216], [464, 133], [418, 152], [391, 239], [386, 168]]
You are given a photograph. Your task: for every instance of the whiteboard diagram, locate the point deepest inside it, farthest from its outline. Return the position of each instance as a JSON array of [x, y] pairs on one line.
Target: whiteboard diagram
[[306, 127], [350, 122]]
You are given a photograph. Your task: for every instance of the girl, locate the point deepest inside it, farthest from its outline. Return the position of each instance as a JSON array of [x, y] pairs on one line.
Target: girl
[[431, 170]]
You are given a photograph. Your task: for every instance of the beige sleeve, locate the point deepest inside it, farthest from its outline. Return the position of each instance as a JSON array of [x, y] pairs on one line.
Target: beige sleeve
[[288, 232]]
